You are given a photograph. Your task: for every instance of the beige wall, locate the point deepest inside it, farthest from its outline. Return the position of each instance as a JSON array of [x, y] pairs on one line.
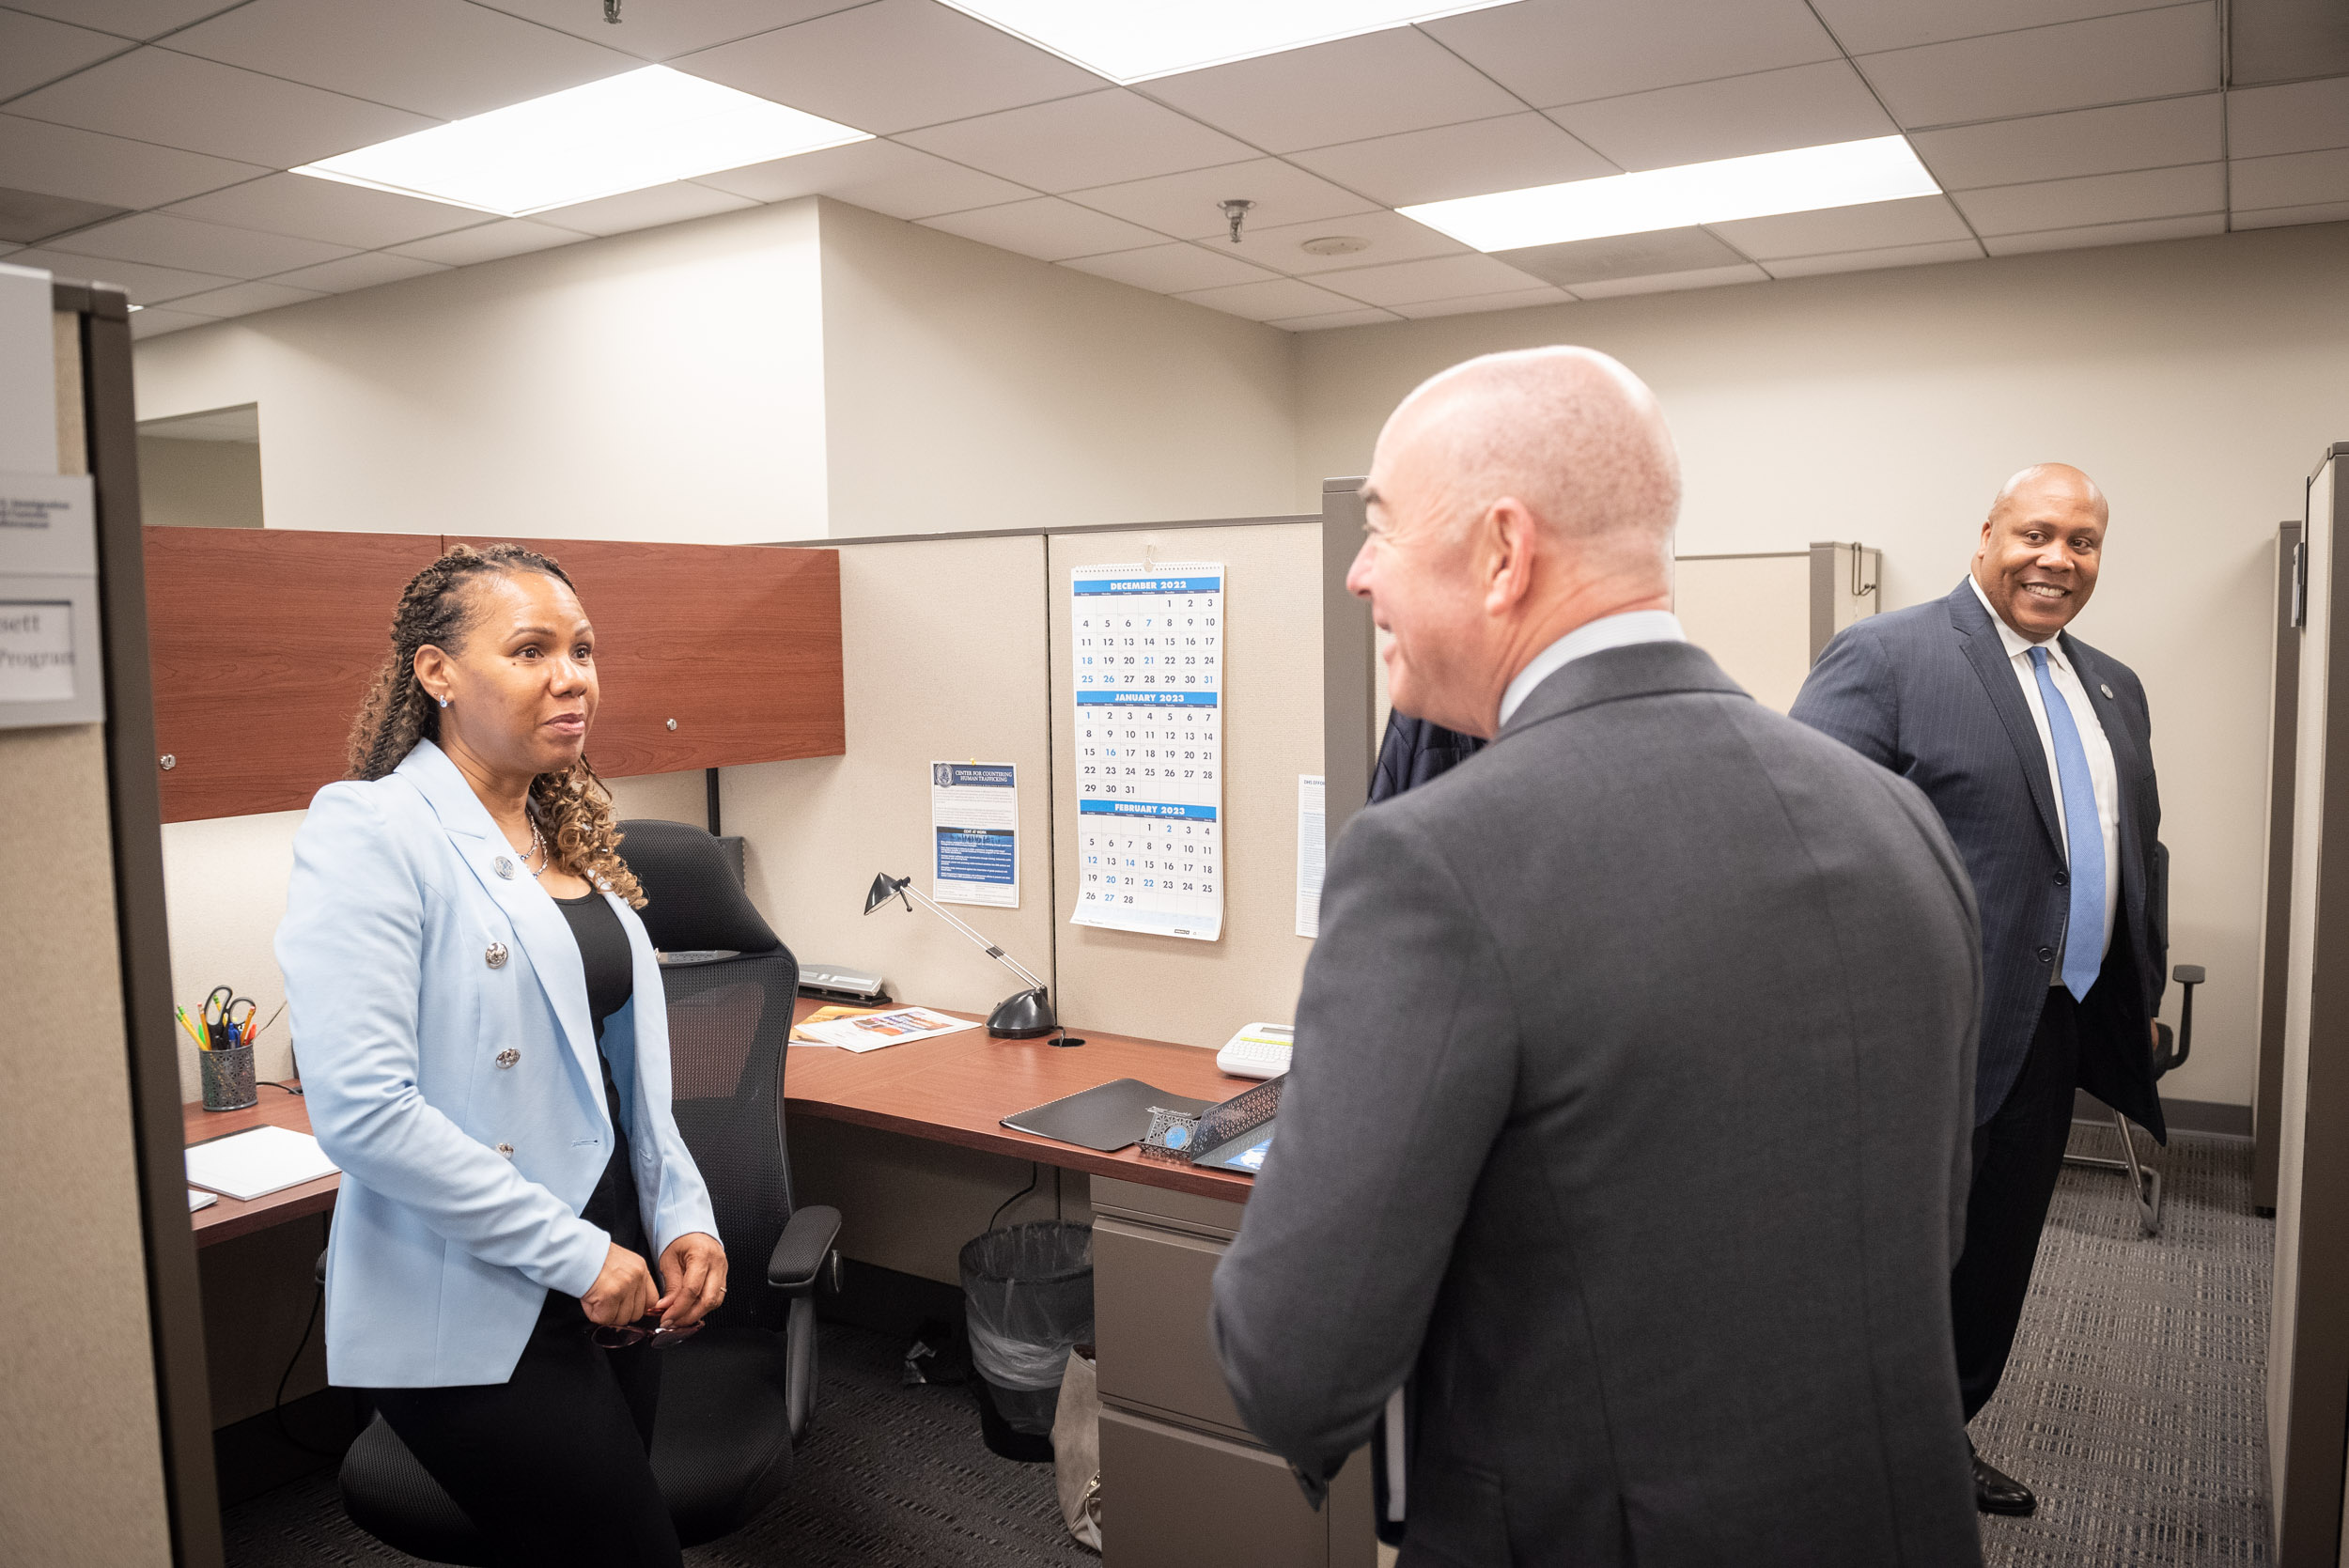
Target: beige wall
[[2197, 379], [966, 388], [666, 384], [199, 483], [81, 1460]]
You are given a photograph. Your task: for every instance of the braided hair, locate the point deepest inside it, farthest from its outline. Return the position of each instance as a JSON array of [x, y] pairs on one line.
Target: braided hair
[[573, 808]]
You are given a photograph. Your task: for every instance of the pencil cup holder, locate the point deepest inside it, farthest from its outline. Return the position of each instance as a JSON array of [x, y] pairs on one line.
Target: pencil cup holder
[[229, 1078]]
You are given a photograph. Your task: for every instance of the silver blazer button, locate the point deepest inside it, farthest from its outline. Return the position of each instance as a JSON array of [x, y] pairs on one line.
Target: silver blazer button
[[496, 956], [507, 1057], [503, 867], [506, 1149]]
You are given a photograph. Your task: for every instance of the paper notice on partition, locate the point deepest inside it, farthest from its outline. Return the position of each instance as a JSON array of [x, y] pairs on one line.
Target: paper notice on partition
[[1312, 851], [1148, 657], [974, 823]]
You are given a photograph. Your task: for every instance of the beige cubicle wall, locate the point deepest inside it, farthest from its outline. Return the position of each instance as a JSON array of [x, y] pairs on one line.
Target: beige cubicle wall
[[1765, 616], [1171, 988]]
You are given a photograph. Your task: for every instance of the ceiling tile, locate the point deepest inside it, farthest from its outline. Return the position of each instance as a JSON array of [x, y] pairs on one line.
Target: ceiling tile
[[490, 242], [1577, 263], [2282, 217], [145, 285], [2112, 140], [66, 161], [1863, 262], [1046, 228], [358, 272], [7, 248], [1075, 144], [1276, 299], [1553, 52], [128, 19], [1668, 283], [243, 299], [150, 322], [1188, 204], [153, 95], [1375, 84], [892, 66], [664, 29], [1439, 277], [2302, 118], [1393, 238], [2071, 65], [1422, 310], [1917, 221], [28, 217], [2098, 198], [33, 50], [1767, 112], [161, 240], [2106, 234], [2286, 40], [649, 207], [1865, 26], [886, 176], [327, 209], [1172, 269], [1364, 317], [1508, 153], [2290, 180]]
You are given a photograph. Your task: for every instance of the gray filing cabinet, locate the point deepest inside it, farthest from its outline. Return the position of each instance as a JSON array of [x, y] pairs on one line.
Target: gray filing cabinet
[[1178, 1468]]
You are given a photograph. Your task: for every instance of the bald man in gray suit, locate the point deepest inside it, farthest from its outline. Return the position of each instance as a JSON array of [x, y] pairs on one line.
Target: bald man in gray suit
[[1634, 1068]]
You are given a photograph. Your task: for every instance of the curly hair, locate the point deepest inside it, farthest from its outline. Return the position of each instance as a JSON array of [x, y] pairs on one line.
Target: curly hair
[[572, 808]]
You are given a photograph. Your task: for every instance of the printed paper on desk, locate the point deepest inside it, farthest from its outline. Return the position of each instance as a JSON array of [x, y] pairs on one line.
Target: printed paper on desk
[[872, 1031], [974, 824]]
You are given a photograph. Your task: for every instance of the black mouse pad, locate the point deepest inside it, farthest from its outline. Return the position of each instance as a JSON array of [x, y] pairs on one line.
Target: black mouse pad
[[1107, 1118]]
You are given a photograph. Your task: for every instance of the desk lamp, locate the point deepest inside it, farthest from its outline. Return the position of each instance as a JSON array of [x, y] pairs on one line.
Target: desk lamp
[[1023, 1015]]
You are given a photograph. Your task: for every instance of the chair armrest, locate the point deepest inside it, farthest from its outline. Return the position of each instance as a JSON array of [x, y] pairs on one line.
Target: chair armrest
[[800, 1250]]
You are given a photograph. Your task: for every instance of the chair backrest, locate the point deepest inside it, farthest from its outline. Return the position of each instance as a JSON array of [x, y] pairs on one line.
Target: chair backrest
[[729, 1025]]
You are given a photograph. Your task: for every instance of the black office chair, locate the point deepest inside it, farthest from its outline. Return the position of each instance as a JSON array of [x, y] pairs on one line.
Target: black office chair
[[2169, 1051], [737, 1396]]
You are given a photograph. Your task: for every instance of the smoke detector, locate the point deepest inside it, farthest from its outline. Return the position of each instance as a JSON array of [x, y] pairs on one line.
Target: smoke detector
[[1336, 245]]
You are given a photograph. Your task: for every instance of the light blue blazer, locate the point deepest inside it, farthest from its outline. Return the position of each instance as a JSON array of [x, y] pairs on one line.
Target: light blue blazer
[[440, 1012]]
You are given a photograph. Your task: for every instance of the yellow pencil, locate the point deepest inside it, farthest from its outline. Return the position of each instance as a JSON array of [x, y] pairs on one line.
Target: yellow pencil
[[181, 1014]]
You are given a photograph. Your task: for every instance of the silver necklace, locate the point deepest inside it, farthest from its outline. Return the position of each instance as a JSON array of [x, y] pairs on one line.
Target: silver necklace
[[538, 850]]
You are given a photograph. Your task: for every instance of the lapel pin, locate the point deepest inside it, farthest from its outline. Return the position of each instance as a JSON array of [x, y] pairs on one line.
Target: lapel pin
[[2105, 689], [505, 867]]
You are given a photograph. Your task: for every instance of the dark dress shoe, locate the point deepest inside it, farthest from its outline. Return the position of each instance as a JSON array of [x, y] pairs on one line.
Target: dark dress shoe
[[1996, 1492]]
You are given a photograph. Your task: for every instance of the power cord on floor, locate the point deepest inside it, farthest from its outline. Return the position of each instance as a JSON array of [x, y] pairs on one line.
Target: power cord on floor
[[277, 1405]]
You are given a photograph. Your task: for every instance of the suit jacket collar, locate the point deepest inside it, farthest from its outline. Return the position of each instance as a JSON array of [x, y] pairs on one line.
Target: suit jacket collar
[[538, 925], [1616, 674], [1992, 664]]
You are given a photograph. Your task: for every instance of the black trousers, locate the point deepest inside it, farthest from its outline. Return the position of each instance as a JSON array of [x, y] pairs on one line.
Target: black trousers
[[551, 1465], [2018, 1153]]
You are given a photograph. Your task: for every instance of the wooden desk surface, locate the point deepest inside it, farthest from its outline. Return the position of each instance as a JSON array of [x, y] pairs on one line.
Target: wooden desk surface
[[228, 1218], [958, 1088], [955, 1089]]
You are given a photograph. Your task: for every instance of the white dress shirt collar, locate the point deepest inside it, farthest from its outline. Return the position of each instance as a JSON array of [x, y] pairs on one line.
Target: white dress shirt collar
[[1607, 631]]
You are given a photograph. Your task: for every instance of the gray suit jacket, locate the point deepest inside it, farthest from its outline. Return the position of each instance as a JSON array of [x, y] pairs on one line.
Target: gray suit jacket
[[1629, 1113]]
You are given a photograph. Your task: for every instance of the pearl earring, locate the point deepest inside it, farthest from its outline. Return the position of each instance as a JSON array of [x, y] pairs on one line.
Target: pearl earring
[[443, 702]]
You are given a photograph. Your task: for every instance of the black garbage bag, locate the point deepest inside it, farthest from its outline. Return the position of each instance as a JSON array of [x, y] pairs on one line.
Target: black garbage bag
[[1027, 1300]]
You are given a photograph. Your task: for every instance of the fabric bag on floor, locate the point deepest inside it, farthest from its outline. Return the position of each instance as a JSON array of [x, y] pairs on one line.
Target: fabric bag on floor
[[1077, 1448]]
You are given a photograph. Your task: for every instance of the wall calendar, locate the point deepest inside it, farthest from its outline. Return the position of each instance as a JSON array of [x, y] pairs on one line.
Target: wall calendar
[[1148, 646]]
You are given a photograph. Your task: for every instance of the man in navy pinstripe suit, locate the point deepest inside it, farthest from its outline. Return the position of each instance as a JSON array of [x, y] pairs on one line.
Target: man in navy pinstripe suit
[[2037, 751]]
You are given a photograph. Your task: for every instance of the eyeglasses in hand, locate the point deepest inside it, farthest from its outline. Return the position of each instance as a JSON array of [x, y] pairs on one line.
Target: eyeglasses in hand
[[620, 1336]]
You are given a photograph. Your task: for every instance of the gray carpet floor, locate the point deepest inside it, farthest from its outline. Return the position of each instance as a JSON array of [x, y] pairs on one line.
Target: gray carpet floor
[[2134, 1404]]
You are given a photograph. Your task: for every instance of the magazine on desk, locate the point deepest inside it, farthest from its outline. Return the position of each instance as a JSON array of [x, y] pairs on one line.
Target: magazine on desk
[[854, 1029]]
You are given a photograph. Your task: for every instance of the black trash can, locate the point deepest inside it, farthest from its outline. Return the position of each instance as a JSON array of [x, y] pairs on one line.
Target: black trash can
[[1028, 1296]]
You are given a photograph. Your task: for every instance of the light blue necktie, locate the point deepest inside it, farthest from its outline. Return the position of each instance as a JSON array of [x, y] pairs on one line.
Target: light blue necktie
[[2083, 935]]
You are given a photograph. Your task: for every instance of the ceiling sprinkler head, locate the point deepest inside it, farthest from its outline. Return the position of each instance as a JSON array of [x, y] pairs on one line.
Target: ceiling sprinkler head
[[1235, 213]]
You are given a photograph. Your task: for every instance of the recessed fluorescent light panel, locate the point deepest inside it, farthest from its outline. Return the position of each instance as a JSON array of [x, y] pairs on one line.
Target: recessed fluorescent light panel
[[1133, 40], [625, 133], [1845, 174]]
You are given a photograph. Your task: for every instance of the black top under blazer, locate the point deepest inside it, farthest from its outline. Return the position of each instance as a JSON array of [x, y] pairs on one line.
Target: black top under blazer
[[1930, 693]]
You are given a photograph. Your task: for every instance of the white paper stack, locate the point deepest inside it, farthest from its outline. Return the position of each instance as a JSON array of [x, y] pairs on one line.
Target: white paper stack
[[200, 1200], [254, 1164]]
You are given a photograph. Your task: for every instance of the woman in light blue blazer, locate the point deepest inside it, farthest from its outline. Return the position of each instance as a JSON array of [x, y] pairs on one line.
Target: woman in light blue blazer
[[485, 1050]]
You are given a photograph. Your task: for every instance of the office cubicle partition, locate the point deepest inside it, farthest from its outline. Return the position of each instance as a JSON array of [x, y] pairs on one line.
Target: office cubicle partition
[[2308, 1357], [2276, 909], [106, 1444]]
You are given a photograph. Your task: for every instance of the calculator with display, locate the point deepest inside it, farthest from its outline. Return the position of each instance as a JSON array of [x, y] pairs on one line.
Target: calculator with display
[[1258, 1050]]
